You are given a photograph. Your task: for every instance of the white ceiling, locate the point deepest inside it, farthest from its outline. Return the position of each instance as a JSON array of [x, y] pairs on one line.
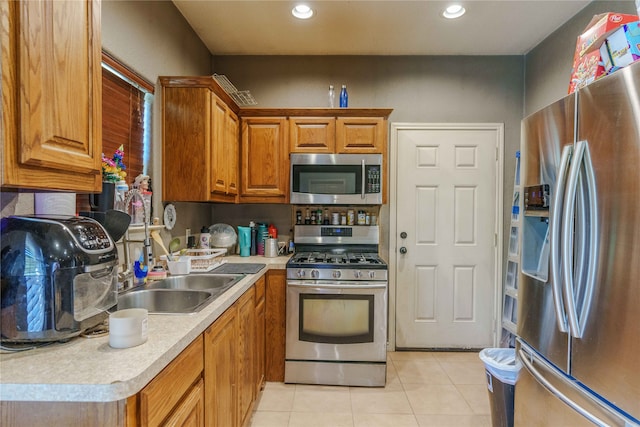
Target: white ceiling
[[364, 27]]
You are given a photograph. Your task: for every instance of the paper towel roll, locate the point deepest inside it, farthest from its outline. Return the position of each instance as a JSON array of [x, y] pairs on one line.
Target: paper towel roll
[[55, 204]]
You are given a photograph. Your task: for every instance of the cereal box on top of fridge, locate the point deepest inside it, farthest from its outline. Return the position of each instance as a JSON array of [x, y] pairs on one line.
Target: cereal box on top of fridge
[[624, 45], [599, 28], [588, 68], [584, 69]]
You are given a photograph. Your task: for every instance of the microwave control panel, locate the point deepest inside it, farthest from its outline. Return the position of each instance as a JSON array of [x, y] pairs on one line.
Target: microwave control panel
[[373, 178]]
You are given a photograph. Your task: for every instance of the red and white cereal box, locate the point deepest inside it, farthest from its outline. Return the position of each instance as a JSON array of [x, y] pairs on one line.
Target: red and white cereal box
[[588, 68], [599, 29], [587, 54]]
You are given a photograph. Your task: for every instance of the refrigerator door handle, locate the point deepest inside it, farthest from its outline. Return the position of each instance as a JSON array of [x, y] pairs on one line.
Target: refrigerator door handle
[[594, 235], [555, 232], [567, 238], [581, 160], [524, 358]]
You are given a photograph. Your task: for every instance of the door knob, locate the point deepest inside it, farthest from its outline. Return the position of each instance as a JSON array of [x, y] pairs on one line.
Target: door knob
[[403, 250], [403, 235]]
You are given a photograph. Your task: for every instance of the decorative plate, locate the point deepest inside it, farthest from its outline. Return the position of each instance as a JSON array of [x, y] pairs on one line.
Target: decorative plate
[[169, 216]]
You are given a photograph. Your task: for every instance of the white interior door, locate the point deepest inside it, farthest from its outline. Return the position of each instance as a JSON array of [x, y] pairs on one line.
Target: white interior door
[[448, 195]]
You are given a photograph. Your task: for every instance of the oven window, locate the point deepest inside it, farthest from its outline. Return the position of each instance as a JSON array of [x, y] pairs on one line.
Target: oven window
[[336, 318]]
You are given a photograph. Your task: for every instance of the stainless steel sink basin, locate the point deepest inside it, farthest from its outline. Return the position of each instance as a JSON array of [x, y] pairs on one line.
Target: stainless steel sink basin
[[214, 283], [165, 301]]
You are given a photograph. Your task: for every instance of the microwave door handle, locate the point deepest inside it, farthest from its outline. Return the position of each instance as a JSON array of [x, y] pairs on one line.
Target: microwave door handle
[[363, 186], [556, 217]]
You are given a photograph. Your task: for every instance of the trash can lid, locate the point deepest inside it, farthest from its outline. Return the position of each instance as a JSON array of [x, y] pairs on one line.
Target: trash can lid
[[501, 363]]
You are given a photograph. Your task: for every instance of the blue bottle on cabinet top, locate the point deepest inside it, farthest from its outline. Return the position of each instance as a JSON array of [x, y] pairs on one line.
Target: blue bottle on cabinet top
[[344, 97]]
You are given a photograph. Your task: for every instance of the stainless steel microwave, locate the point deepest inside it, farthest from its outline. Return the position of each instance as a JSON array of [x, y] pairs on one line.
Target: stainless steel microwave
[[338, 179]]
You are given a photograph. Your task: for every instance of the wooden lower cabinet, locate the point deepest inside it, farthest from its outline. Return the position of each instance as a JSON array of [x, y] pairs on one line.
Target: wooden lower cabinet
[[190, 413], [246, 354], [220, 360], [230, 364], [275, 315], [175, 396], [260, 336]]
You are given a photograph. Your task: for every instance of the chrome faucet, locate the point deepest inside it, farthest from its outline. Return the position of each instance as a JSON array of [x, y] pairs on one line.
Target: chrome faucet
[[146, 242]]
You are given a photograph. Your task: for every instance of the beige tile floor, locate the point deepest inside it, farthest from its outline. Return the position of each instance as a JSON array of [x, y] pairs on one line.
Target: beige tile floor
[[423, 389]]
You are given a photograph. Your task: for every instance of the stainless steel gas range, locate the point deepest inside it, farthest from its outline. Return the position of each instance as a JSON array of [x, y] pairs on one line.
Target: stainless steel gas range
[[336, 307]]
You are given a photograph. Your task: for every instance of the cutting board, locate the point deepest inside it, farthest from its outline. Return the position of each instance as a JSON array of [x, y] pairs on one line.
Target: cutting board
[[238, 268]]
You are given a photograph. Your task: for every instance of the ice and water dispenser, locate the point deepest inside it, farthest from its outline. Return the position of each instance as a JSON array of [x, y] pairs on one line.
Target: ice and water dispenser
[[535, 232]]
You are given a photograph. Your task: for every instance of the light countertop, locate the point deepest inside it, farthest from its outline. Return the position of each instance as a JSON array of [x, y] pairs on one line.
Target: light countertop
[[89, 370]]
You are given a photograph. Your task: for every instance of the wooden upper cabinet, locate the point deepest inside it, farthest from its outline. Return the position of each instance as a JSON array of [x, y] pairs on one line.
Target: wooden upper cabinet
[[312, 134], [232, 145], [51, 94], [361, 135], [200, 144], [186, 135], [224, 149], [264, 162]]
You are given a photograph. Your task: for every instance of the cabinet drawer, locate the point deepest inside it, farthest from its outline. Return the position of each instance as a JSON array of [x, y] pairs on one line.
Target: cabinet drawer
[[161, 395]]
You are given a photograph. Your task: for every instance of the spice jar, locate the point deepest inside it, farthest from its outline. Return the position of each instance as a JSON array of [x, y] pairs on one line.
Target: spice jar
[[350, 217]]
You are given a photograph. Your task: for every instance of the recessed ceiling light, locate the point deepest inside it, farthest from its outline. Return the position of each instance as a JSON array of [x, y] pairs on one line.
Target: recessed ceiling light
[[302, 11], [453, 11]]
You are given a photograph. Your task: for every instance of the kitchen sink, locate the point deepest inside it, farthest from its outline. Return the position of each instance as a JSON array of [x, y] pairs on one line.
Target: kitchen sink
[[166, 301], [214, 283]]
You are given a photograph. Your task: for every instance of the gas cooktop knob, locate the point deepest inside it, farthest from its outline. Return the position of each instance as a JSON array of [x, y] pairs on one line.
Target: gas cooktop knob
[[337, 274], [301, 273], [372, 275], [357, 274], [315, 274]]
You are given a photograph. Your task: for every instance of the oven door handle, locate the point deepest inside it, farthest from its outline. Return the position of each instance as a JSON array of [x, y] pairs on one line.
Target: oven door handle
[[321, 286]]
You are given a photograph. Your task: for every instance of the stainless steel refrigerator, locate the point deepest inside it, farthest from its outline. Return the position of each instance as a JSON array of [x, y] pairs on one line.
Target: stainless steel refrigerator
[[579, 292]]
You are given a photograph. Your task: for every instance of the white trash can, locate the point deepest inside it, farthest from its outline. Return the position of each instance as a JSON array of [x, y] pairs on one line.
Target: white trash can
[[502, 368]]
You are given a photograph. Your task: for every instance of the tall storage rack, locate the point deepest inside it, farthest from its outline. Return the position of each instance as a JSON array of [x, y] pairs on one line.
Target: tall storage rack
[[510, 291]]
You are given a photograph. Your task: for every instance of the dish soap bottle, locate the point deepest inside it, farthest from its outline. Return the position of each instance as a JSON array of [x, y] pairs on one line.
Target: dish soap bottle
[[344, 97], [205, 238]]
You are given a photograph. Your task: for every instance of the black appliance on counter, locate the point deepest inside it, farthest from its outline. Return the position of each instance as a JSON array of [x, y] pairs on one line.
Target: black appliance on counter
[[58, 276]]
